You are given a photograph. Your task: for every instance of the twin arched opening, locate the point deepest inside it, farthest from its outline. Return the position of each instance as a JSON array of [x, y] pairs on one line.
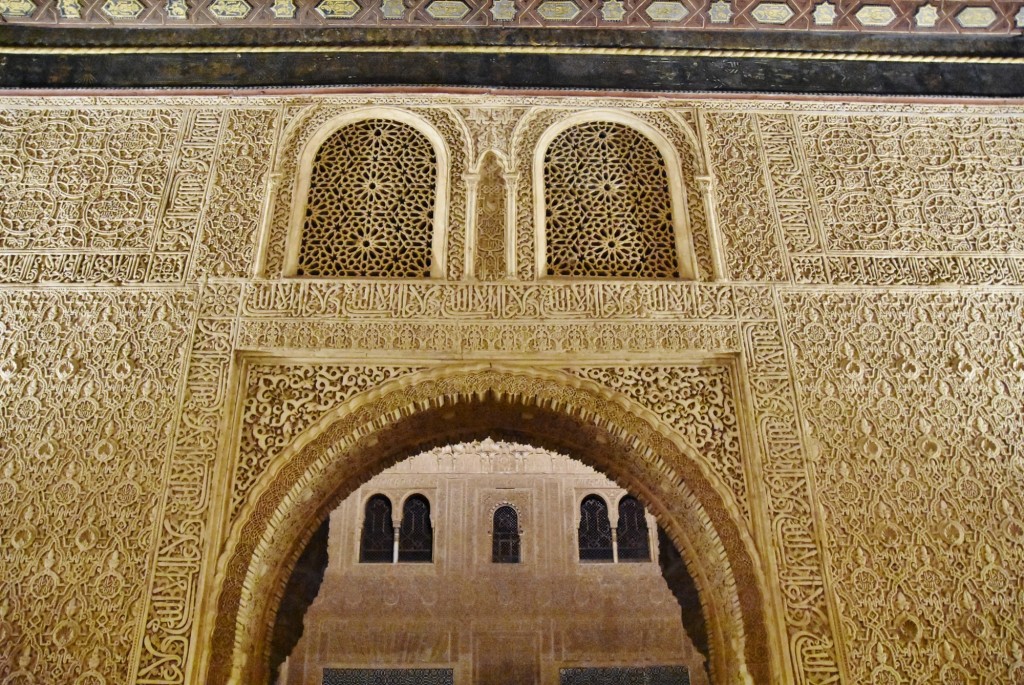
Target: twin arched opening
[[372, 195], [546, 408]]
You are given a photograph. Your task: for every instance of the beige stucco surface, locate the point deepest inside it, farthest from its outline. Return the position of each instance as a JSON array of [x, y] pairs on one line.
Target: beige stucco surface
[[829, 413]]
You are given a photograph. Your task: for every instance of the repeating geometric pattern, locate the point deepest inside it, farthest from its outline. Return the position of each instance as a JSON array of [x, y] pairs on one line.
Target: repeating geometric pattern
[[370, 208], [917, 185], [642, 675], [892, 16], [608, 206], [388, 676]]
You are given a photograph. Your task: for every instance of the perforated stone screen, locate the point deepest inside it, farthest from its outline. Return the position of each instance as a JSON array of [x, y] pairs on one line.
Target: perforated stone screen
[[370, 207], [608, 205]]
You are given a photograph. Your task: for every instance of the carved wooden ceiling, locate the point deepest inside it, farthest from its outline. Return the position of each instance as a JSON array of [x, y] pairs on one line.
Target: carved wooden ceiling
[[1000, 17], [884, 47]]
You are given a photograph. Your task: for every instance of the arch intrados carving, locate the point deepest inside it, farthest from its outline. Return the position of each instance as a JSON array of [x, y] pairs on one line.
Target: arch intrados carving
[[422, 411], [304, 172], [673, 168]]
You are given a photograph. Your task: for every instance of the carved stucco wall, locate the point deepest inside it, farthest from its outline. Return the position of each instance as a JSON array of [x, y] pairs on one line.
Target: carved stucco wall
[[868, 332]]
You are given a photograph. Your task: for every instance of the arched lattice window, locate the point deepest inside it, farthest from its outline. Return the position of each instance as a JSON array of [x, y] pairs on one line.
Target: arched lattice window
[[378, 542], [371, 203], [416, 537], [631, 532], [608, 205], [595, 534], [505, 536]]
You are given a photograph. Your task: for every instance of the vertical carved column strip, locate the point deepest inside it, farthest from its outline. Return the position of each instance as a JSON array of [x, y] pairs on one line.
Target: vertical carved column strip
[[167, 643], [472, 181], [808, 616], [718, 263], [707, 188], [511, 262]]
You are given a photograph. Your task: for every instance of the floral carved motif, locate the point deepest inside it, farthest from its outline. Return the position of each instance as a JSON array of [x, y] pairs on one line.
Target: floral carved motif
[[697, 401], [87, 408], [914, 404], [280, 406]]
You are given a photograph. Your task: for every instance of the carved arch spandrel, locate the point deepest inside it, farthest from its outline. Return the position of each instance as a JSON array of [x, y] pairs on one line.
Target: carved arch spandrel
[[548, 408]]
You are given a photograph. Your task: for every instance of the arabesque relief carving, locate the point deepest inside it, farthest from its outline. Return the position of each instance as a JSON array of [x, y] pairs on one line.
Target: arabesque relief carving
[[88, 389], [871, 366], [913, 404]]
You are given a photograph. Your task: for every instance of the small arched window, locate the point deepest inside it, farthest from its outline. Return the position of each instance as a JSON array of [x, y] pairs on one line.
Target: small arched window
[[371, 202], [416, 536], [608, 209], [378, 542], [631, 531], [595, 534], [505, 536]]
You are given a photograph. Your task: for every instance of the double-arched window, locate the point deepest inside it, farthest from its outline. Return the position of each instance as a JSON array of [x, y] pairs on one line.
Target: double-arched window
[[598, 541], [414, 541]]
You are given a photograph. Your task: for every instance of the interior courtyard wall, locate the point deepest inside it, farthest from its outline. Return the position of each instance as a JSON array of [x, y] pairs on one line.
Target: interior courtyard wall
[[868, 306]]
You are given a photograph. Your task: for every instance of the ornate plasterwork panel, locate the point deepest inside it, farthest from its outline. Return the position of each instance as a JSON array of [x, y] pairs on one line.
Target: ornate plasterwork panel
[[88, 399], [129, 194], [279, 406], [85, 191], [860, 355], [752, 237], [235, 205], [913, 401], [184, 532], [905, 199], [698, 401], [916, 185]]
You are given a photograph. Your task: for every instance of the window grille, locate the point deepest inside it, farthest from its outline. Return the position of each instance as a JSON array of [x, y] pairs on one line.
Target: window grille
[[631, 532], [625, 675], [505, 536], [370, 207], [378, 542], [595, 534], [608, 205], [388, 676], [416, 537]]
